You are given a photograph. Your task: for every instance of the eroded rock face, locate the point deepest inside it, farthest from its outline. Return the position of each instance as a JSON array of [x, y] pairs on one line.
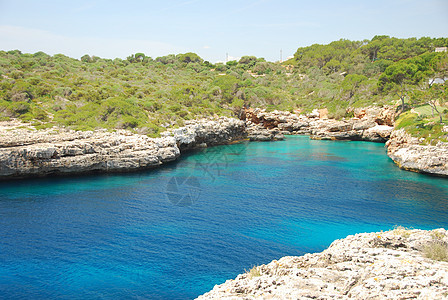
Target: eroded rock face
[[208, 132], [382, 265], [25, 152], [381, 115], [408, 154], [370, 124], [63, 151], [256, 132]]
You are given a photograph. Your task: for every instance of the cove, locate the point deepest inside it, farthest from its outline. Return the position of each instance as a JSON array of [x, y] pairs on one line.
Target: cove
[[176, 231]]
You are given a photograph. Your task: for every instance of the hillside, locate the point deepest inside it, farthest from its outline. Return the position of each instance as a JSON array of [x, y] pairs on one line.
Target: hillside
[[149, 95]]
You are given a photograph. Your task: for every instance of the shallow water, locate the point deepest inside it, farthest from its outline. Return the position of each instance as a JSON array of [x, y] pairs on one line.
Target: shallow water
[[175, 232]]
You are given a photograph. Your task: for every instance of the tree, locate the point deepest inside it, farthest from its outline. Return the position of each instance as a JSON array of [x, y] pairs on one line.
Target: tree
[[86, 58], [351, 84], [232, 63], [437, 91], [247, 61], [372, 48], [189, 57], [333, 65], [168, 59], [139, 57], [397, 78]]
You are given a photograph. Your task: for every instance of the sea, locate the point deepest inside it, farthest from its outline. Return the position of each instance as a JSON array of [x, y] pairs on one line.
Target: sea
[[176, 231]]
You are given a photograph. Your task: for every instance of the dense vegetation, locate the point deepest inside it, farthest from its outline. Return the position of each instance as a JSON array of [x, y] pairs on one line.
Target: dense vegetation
[[148, 95]]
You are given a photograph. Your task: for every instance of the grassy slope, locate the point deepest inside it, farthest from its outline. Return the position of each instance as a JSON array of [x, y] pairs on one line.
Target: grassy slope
[[148, 95]]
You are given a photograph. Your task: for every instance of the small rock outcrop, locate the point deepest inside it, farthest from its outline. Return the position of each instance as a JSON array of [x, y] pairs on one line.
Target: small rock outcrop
[[408, 154], [381, 265], [207, 132], [25, 152], [256, 132]]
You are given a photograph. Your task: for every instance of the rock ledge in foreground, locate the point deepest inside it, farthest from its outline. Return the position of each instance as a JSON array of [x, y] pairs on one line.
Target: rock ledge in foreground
[[363, 266]]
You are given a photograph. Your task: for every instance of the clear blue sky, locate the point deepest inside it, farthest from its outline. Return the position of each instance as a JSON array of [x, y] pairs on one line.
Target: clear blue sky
[[210, 28]]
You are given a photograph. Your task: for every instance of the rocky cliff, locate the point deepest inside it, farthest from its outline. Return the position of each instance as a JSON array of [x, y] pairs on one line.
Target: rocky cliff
[[368, 124], [207, 132], [27, 152], [398, 264], [408, 154], [372, 124]]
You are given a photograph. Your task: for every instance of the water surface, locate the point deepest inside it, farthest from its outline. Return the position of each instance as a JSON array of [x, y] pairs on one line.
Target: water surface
[[175, 232]]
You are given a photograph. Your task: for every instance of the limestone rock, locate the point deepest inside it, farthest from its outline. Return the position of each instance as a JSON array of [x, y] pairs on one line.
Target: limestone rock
[[27, 152], [208, 131], [378, 133], [370, 124], [363, 266], [408, 154], [259, 133]]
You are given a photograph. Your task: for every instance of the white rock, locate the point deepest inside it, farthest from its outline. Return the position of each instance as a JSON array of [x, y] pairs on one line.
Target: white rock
[[364, 266]]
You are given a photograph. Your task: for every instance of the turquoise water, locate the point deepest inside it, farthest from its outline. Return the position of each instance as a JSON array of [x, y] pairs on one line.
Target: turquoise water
[[175, 232]]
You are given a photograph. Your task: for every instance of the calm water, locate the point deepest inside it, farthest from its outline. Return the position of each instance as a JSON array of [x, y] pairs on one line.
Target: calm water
[[177, 231]]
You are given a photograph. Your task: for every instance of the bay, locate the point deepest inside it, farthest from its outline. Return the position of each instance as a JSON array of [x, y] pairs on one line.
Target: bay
[[176, 231]]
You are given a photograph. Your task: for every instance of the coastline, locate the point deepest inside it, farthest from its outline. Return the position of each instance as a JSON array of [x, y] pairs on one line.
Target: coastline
[[396, 264], [373, 124], [26, 152], [354, 266]]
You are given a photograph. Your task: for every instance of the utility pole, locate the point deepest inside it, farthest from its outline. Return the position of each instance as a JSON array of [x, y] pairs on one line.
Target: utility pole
[[281, 55], [227, 57]]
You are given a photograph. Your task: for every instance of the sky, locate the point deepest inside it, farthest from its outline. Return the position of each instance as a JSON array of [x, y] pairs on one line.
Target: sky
[[214, 30]]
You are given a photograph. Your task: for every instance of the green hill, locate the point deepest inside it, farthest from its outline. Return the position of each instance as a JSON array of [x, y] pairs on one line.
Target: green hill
[[147, 95]]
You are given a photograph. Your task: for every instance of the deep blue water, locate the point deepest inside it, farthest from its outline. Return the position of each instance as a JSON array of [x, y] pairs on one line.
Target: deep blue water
[[175, 232]]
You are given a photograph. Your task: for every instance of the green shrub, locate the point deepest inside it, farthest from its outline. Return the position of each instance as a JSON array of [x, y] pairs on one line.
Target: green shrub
[[19, 108], [128, 122], [254, 272], [406, 119], [436, 250]]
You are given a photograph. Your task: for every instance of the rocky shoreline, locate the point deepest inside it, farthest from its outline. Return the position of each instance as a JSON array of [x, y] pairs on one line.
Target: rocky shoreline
[[373, 124], [369, 124], [408, 154], [398, 264], [26, 152]]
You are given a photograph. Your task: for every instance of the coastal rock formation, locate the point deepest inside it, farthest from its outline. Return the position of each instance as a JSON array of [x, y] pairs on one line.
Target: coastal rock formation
[[392, 265], [369, 124], [374, 124], [66, 151], [353, 130], [29, 152], [408, 154], [256, 132], [26, 152], [206, 132], [384, 115]]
